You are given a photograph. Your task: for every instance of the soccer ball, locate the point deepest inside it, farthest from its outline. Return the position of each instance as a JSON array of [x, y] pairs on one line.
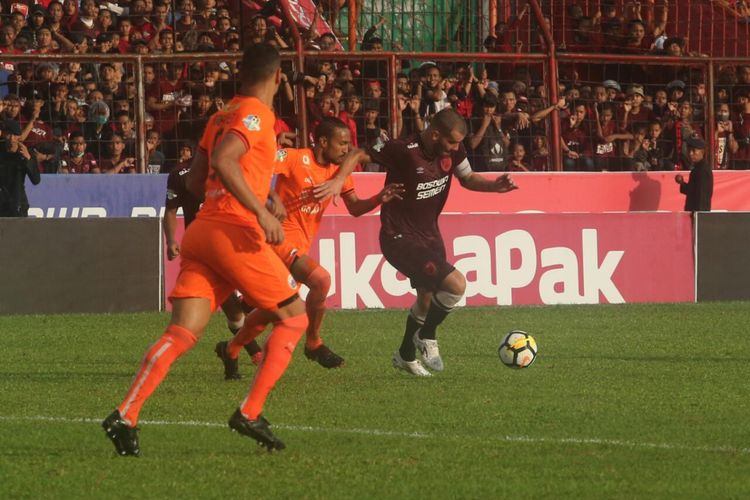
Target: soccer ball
[[517, 350]]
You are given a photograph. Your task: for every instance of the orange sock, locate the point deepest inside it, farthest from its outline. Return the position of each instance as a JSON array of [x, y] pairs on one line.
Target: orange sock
[[254, 325], [319, 282], [175, 342], [276, 357]]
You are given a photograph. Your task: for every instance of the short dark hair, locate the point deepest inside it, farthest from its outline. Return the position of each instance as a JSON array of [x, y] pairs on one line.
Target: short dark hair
[[259, 62], [328, 126], [447, 120]]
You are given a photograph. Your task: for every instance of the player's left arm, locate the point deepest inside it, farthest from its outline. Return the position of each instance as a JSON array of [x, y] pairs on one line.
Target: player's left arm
[[357, 206], [475, 182]]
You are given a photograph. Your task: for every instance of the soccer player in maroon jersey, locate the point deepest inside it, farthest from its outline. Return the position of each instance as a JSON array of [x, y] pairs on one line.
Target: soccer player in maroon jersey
[[409, 236]]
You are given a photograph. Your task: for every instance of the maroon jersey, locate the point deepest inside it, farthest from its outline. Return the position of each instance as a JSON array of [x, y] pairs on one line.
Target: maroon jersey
[[178, 195], [426, 182]]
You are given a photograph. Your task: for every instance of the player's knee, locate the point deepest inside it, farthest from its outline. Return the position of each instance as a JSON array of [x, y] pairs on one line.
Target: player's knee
[[454, 283], [319, 281]]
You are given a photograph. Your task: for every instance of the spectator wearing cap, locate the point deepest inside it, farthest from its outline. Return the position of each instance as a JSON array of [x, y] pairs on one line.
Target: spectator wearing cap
[[104, 43], [613, 89], [486, 140], [97, 130], [741, 127], [675, 90], [16, 163], [37, 17], [699, 189], [633, 112]]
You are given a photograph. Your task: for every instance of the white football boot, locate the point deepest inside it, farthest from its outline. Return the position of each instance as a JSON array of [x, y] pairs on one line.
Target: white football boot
[[413, 367], [429, 351]]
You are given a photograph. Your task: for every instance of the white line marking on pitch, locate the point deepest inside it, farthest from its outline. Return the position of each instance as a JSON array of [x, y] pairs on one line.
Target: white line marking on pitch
[[418, 435]]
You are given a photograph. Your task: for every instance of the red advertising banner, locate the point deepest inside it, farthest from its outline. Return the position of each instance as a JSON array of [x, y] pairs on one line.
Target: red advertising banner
[[560, 192], [521, 259]]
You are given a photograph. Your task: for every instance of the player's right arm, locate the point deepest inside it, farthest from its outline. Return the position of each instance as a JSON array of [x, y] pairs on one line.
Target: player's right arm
[[357, 206], [348, 164], [172, 203], [225, 160], [195, 182]]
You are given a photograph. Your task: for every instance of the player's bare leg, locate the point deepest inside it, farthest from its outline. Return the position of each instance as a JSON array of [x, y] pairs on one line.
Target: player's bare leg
[[189, 318], [442, 302], [290, 321], [306, 270], [235, 313]]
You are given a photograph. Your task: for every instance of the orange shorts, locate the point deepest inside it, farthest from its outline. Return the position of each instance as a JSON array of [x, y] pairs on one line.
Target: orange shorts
[[293, 246], [218, 258]]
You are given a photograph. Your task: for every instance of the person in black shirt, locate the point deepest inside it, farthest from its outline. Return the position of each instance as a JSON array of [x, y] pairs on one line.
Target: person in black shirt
[[700, 188], [410, 238], [16, 163]]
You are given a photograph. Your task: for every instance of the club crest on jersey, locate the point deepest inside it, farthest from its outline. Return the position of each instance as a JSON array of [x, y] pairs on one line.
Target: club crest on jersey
[[281, 155], [446, 163], [305, 159], [252, 123]]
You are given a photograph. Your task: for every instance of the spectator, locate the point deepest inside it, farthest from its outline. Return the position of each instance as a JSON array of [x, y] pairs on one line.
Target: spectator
[[726, 143], [632, 149], [156, 160], [518, 158], [96, 129], [741, 130], [16, 163], [607, 132], [575, 141], [77, 160], [115, 160], [699, 189], [540, 154], [487, 141]]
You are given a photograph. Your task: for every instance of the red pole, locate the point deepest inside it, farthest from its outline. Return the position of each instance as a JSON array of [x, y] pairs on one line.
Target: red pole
[[554, 143], [352, 25], [493, 15], [392, 97]]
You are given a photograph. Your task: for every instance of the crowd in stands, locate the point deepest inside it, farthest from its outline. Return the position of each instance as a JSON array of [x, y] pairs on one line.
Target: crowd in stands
[[79, 117]]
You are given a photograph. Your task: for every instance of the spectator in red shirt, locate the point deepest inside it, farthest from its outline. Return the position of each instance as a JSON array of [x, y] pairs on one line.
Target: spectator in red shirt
[[165, 98], [575, 142], [741, 128], [116, 161], [77, 160]]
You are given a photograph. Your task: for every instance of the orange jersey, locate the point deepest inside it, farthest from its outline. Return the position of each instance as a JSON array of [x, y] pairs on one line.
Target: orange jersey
[[252, 121], [297, 173]]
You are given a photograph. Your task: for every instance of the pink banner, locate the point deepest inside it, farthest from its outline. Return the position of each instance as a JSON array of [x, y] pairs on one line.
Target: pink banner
[[523, 259], [583, 192]]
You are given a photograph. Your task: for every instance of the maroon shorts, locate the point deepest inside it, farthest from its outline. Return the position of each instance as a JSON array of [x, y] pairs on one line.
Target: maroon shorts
[[422, 260]]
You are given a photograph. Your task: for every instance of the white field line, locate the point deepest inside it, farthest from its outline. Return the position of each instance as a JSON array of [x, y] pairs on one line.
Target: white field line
[[417, 435]]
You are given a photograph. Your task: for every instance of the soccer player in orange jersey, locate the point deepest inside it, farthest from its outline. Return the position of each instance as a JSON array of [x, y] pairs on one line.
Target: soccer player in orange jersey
[[227, 248], [299, 172]]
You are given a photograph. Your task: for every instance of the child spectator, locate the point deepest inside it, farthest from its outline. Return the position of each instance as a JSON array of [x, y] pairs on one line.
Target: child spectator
[[77, 160], [518, 159], [540, 154]]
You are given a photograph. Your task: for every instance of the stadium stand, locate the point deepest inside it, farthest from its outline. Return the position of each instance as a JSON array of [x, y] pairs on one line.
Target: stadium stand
[[549, 85]]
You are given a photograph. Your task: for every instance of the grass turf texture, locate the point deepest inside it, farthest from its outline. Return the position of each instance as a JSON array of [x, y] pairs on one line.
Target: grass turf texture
[[622, 402]]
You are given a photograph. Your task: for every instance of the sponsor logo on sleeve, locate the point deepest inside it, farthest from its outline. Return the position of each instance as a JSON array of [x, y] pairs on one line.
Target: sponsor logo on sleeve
[[252, 123]]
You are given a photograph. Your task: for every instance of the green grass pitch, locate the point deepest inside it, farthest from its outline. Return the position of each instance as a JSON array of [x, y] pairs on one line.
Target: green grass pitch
[[632, 401]]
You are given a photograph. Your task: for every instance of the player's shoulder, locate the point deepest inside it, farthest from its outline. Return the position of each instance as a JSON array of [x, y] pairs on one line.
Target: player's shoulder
[[404, 144]]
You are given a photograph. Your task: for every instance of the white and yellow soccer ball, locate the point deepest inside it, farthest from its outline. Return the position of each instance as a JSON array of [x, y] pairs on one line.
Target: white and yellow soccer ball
[[518, 349]]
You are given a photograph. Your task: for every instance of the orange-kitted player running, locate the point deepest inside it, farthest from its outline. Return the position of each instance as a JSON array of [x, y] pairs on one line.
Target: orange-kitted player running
[[228, 248], [299, 172]]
